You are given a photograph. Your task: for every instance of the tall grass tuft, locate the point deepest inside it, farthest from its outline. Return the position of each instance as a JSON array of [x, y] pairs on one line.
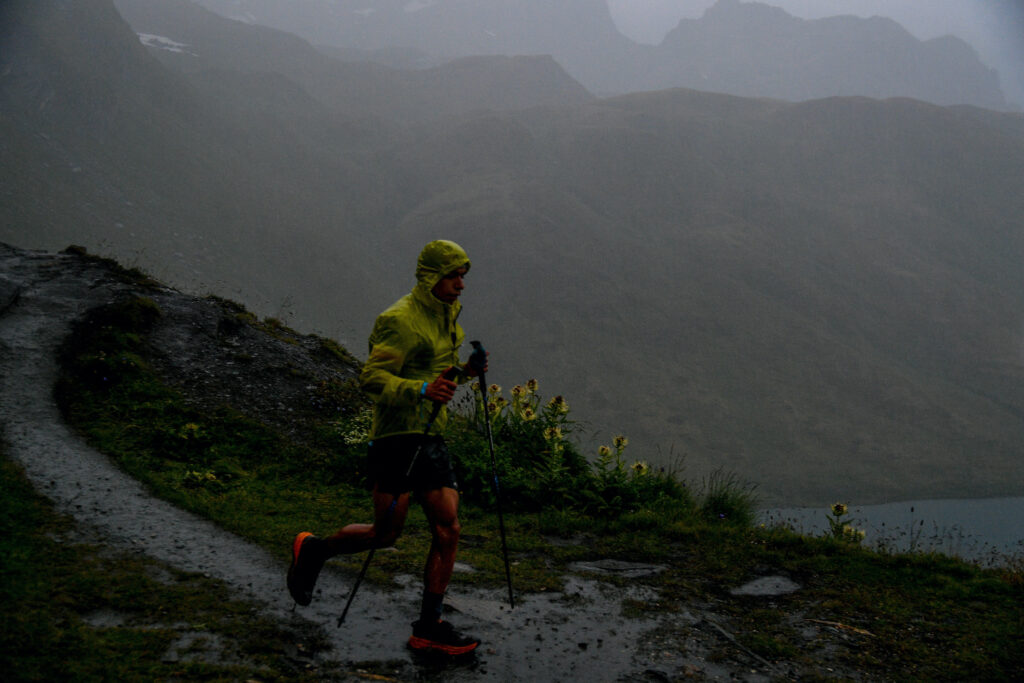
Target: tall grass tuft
[[727, 499]]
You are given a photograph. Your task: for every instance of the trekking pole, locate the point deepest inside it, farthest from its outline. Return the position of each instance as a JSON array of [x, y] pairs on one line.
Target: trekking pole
[[478, 361], [449, 374]]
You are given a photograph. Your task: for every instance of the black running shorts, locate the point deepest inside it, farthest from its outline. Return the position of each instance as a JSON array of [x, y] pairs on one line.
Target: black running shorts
[[388, 461]]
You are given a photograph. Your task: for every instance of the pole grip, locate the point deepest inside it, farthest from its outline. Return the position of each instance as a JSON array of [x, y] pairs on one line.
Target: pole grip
[[478, 359]]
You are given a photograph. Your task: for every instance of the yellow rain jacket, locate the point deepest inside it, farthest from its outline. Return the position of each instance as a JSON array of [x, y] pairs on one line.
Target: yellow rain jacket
[[413, 341]]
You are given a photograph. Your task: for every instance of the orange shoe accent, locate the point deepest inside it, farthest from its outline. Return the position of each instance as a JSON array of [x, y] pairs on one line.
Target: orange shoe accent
[[297, 545], [300, 592], [424, 644]]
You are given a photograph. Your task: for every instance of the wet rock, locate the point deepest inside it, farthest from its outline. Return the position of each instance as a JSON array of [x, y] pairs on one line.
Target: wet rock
[[767, 586], [631, 570]]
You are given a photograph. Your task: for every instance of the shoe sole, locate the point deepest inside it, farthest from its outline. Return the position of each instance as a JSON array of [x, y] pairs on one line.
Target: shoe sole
[[422, 644], [296, 549]]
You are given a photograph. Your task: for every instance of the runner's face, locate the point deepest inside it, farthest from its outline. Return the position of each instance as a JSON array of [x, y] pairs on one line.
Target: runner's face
[[450, 286]]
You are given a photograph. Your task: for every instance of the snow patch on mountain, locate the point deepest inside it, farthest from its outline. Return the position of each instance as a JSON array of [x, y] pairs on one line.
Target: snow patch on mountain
[[165, 43]]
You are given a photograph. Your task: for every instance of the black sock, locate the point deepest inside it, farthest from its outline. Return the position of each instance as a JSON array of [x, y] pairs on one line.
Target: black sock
[[318, 547], [430, 612]]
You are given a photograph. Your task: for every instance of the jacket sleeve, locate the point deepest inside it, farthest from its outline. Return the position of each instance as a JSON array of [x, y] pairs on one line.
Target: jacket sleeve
[[380, 375]]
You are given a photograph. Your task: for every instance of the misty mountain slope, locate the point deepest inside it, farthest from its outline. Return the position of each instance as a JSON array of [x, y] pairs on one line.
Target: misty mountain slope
[[350, 89], [93, 116], [823, 297], [579, 34], [117, 119], [120, 150], [1012, 126], [847, 278], [747, 48]]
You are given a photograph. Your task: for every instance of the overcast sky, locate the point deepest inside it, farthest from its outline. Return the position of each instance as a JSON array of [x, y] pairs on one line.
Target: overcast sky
[[995, 28]]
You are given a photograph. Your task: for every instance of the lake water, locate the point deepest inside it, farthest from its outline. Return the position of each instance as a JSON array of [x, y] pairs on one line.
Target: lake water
[[986, 530]]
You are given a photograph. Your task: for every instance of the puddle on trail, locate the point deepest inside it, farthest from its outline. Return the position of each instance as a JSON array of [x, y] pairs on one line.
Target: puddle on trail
[[576, 634]]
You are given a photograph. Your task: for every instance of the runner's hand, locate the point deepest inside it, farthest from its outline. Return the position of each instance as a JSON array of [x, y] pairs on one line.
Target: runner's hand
[[470, 371], [441, 390]]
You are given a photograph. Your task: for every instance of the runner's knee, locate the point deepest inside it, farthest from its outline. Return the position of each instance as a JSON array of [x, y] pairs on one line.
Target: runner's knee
[[447, 530]]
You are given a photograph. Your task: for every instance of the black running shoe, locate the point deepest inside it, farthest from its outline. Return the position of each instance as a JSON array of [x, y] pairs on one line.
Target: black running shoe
[[440, 636], [307, 561]]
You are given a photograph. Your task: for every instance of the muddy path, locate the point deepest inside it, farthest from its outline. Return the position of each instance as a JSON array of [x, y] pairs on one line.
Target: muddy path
[[578, 634]]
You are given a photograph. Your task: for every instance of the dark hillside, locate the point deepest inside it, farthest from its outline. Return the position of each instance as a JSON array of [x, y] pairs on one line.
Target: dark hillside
[[128, 150], [772, 279], [842, 256]]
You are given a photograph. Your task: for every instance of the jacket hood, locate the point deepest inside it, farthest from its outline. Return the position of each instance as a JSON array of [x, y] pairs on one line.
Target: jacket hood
[[437, 259]]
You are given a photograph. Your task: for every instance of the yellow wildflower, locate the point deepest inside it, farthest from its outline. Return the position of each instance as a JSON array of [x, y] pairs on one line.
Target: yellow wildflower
[[559, 405], [189, 431]]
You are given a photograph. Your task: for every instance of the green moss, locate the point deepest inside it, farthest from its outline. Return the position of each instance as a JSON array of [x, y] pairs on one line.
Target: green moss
[[333, 348], [133, 276]]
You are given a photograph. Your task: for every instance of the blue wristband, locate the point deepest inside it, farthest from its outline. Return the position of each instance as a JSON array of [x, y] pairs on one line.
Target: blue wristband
[[423, 389]]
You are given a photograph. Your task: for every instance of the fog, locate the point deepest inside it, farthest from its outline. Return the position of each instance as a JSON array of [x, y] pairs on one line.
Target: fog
[[992, 27], [824, 297]]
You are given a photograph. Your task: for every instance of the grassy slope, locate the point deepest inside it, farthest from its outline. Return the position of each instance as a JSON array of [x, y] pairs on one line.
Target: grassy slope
[[926, 616], [97, 614]]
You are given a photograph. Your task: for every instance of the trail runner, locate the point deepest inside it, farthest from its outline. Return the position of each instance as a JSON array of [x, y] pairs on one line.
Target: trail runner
[[413, 343]]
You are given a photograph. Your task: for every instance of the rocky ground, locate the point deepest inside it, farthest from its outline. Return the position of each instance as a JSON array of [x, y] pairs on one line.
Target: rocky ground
[[577, 634]]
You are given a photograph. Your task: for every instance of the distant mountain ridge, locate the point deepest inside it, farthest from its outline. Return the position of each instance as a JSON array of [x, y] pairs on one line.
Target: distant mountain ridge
[[741, 48], [756, 50], [580, 34], [825, 297]]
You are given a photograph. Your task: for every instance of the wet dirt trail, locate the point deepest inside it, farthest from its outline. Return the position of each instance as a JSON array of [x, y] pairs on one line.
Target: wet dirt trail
[[577, 634]]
